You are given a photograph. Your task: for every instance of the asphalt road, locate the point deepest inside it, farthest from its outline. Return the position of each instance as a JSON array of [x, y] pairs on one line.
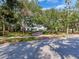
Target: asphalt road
[[41, 49]]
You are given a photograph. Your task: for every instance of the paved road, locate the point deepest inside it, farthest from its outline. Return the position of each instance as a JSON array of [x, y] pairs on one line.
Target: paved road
[[41, 49]]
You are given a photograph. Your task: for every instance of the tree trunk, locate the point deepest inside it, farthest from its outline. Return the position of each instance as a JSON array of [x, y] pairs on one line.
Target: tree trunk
[[67, 31], [3, 28]]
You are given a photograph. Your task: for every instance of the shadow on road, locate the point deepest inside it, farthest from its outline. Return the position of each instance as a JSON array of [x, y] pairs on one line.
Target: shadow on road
[[43, 49]]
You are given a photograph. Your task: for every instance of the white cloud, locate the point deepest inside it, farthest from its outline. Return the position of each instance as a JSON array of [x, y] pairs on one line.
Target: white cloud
[[46, 8], [57, 7], [41, 0], [61, 6], [29, 0]]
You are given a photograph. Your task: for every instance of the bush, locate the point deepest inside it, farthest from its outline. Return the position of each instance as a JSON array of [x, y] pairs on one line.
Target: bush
[[1, 34], [5, 33], [46, 32], [18, 40], [10, 34], [28, 39]]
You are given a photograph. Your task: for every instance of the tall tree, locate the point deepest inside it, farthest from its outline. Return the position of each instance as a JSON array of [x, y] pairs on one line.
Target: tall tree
[[68, 7]]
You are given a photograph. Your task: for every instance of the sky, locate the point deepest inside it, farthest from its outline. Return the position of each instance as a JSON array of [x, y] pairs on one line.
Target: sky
[[57, 4], [47, 4]]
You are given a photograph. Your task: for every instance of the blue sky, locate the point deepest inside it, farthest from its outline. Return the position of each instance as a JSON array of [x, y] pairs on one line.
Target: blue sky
[[47, 4]]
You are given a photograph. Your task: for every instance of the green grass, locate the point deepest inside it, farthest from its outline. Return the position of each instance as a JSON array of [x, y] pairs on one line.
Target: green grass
[[14, 34], [18, 40]]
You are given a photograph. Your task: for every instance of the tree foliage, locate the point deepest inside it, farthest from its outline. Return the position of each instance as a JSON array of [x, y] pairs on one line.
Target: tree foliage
[[22, 13]]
